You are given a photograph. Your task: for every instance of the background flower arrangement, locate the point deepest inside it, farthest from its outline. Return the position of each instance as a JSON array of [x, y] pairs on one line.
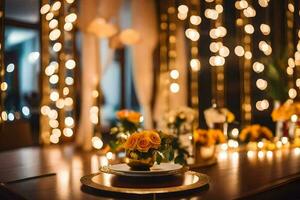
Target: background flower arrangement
[[255, 133], [128, 122]]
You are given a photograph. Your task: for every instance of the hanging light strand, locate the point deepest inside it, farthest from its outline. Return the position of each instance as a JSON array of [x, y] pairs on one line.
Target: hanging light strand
[[3, 84], [67, 88], [193, 35], [218, 50], [163, 81], [244, 51], [297, 50], [172, 54], [57, 21], [290, 10], [266, 48]]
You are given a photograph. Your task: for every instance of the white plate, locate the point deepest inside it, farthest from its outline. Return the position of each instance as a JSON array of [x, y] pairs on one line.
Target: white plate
[[163, 169]]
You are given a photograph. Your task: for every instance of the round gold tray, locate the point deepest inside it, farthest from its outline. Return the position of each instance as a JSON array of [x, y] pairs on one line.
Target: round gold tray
[[105, 182]]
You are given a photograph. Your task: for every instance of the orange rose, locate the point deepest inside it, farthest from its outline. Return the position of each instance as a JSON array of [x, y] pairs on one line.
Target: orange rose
[[154, 139], [129, 115], [201, 136], [132, 141], [218, 135], [143, 143]]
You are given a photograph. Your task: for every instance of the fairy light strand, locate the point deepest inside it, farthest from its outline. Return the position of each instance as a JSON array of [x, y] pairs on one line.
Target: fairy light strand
[[57, 21], [172, 54], [3, 84], [193, 35], [244, 51], [218, 50], [297, 51], [266, 48], [290, 10], [163, 54]]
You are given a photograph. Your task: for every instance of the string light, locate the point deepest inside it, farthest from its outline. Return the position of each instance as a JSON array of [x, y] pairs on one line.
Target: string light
[[266, 49], [218, 50], [193, 34], [3, 84], [296, 60], [290, 48], [173, 72], [57, 100], [244, 52]]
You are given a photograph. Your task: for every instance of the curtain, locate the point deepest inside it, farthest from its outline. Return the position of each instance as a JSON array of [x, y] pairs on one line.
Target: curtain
[[91, 70], [144, 22]]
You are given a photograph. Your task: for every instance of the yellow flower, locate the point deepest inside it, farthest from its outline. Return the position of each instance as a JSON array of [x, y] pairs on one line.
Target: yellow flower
[[285, 111], [209, 137], [256, 132], [132, 116], [200, 136], [154, 139], [131, 142], [230, 117], [143, 143]]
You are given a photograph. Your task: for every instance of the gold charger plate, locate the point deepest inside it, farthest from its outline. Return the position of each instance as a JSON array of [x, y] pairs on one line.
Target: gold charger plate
[[163, 169], [190, 180]]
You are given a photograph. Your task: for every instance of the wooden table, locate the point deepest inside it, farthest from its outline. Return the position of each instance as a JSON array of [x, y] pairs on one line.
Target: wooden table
[[254, 175]]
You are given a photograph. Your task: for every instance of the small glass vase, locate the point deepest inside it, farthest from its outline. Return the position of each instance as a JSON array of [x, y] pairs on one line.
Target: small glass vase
[[204, 153], [140, 164]]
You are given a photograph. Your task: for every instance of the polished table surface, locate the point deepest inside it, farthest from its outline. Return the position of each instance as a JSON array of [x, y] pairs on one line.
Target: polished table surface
[[237, 174]]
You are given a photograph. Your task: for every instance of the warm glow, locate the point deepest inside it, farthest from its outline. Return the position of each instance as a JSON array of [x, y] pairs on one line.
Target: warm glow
[[261, 84], [70, 64], [183, 9], [174, 87], [69, 121], [57, 47], [56, 6], [265, 29], [292, 93], [195, 20], [44, 9], [71, 18], [258, 67], [195, 64], [68, 132], [97, 142], [174, 74], [239, 51]]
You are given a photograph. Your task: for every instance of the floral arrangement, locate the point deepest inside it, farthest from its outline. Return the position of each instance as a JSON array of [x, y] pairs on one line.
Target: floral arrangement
[[209, 137], [145, 147], [255, 133], [285, 111], [129, 121], [180, 120], [218, 115]]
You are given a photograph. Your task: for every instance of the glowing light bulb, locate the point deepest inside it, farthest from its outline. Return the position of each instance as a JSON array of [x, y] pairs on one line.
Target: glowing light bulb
[[239, 51], [45, 8], [195, 64], [70, 64], [174, 87], [261, 84], [258, 67], [174, 74], [195, 20], [183, 9], [265, 29]]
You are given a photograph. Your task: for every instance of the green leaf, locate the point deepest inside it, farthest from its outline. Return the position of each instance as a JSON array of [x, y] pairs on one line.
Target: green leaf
[[159, 157]]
